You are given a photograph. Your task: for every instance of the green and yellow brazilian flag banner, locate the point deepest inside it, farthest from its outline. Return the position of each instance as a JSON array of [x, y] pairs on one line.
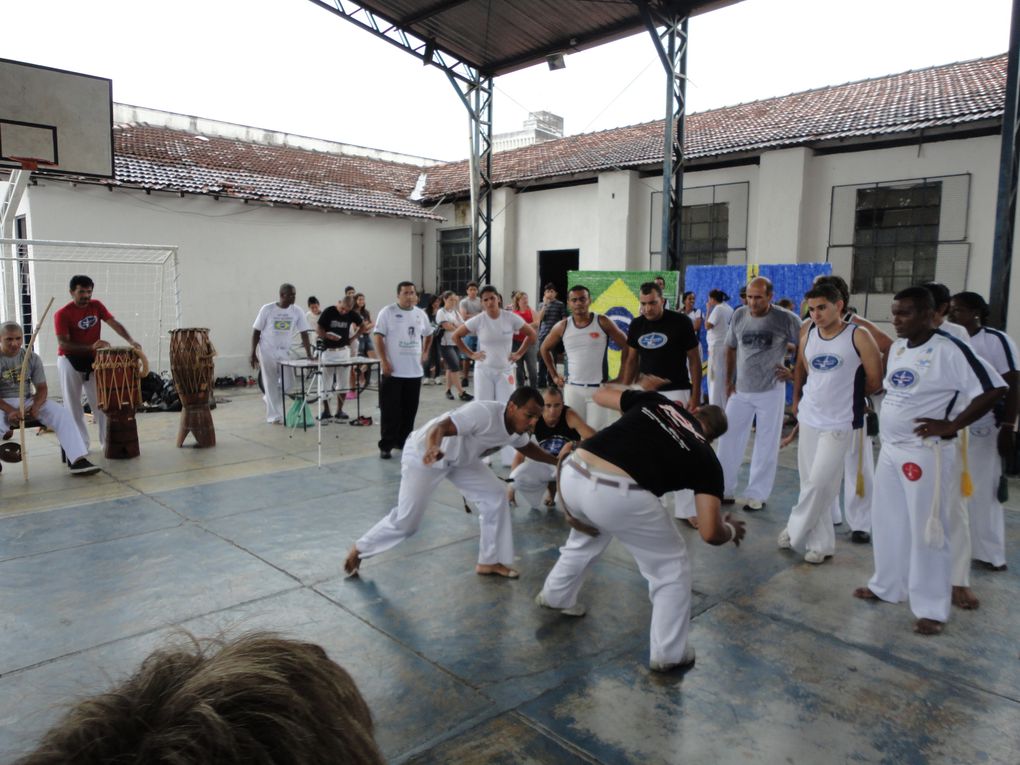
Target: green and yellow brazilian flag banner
[[615, 294]]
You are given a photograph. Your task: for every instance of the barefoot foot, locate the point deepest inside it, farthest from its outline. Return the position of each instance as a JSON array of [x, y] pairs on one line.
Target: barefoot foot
[[927, 627], [865, 594], [496, 569], [353, 562], [964, 597]]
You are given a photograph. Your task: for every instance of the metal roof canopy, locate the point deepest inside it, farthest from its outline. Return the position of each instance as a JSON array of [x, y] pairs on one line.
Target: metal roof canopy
[[473, 41], [500, 37]]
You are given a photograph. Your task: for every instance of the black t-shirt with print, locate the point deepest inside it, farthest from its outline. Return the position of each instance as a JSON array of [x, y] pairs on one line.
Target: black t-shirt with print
[[660, 445], [662, 347], [553, 438], [331, 320]]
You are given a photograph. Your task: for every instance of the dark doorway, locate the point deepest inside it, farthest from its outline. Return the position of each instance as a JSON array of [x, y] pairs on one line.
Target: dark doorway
[[553, 266]]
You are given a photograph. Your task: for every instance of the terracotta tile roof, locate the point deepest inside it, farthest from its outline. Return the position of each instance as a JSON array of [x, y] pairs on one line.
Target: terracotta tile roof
[[160, 158], [942, 96]]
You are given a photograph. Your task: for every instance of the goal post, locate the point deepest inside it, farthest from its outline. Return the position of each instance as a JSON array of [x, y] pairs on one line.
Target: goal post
[[138, 284]]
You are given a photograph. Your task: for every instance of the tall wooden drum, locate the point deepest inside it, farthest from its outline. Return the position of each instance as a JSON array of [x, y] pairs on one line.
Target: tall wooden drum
[[119, 373], [191, 364]]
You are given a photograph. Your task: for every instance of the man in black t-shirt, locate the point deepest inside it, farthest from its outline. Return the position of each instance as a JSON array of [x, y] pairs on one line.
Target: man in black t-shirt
[[667, 347], [610, 485], [337, 327]]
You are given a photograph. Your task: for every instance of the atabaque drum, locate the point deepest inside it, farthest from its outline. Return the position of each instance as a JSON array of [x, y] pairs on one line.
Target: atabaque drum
[[119, 373], [191, 364]]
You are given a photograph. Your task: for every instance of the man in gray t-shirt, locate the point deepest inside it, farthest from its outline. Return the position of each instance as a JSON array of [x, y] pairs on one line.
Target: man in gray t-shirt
[[757, 342], [37, 404]]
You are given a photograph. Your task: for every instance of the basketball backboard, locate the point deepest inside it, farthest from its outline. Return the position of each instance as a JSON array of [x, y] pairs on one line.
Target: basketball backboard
[[63, 118]]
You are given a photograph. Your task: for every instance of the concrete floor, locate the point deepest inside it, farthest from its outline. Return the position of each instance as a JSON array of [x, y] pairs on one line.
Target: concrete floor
[[96, 572]]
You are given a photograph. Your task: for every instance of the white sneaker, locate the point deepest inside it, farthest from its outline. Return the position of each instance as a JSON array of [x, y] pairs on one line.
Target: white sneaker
[[438, 381], [752, 505], [686, 661], [813, 556], [575, 610], [784, 540], [427, 381]]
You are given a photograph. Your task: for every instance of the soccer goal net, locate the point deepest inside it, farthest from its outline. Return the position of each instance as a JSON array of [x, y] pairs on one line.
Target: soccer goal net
[[137, 283]]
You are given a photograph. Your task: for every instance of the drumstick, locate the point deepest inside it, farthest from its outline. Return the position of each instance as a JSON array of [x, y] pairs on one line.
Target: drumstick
[[21, 388]]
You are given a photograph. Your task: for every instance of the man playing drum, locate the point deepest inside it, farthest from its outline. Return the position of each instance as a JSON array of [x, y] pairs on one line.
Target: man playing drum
[[37, 405], [78, 325]]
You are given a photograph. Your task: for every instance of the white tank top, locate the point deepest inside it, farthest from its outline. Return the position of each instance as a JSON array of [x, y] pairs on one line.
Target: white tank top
[[833, 396], [586, 351]]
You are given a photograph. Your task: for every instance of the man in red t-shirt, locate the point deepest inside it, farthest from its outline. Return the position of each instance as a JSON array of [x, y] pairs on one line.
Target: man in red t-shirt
[[78, 325]]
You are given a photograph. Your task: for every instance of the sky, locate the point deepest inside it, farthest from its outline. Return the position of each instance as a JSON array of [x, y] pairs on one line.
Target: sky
[[292, 66]]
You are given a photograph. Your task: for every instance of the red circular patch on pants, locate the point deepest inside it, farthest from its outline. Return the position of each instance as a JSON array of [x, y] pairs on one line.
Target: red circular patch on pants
[[912, 471]]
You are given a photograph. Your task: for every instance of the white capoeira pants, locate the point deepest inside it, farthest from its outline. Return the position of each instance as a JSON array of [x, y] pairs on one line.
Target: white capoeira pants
[[821, 455], [766, 409], [987, 527], [717, 375], [57, 419], [495, 384], [683, 500], [907, 566], [269, 363], [531, 479], [72, 383], [959, 521], [637, 519], [335, 379], [579, 398], [475, 481], [858, 509]]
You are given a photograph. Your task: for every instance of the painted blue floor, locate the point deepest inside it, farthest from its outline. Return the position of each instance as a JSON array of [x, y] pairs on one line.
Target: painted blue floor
[[462, 668]]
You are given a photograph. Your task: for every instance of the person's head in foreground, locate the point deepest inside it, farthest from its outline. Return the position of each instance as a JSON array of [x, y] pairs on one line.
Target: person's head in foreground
[[257, 699]]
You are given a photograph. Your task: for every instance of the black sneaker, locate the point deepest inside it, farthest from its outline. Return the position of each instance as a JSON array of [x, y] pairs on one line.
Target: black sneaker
[[449, 395], [465, 396], [384, 454], [82, 466], [341, 415], [860, 537]]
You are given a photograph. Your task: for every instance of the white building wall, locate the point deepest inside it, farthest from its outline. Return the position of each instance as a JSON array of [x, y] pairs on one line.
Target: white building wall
[[557, 219], [781, 178], [617, 220], [233, 257], [978, 157]]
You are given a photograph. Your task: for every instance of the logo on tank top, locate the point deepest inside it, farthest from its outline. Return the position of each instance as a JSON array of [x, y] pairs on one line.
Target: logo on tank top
[[902, 379], [912, 471], [826, 362], [88, 321], [652, 340]]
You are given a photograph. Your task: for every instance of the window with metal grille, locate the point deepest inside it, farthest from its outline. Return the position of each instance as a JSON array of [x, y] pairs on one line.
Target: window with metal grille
[[896, 236], [705, 234], [453, 263]]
